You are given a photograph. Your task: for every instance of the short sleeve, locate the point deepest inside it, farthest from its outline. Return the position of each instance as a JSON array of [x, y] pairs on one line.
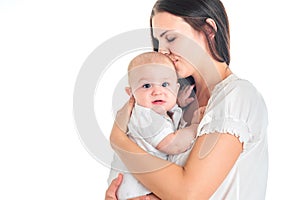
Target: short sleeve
[[150, 126], [236, 108]]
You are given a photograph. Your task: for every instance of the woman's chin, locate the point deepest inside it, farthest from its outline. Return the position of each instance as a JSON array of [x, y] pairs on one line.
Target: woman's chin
[[183, 75]]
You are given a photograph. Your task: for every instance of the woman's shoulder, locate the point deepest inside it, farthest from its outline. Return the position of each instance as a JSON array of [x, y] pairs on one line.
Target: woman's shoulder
[[237, 97], [236, 104], [235, 82], [236, 88]]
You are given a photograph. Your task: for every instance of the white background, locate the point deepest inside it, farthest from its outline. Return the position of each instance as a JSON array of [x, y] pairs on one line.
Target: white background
[[43, 45]]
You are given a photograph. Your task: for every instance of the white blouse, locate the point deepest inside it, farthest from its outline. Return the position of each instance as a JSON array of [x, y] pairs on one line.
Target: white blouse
[[236, 107]]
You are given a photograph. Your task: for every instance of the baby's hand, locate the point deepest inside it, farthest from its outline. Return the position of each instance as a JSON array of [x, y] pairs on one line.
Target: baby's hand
[[184, 98], [198, 115]]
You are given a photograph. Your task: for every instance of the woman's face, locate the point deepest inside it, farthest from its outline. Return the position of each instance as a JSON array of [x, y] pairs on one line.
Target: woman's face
[[178, 40]]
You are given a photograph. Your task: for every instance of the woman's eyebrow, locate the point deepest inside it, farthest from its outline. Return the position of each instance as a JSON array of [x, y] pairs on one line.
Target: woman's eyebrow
[[161, 35]]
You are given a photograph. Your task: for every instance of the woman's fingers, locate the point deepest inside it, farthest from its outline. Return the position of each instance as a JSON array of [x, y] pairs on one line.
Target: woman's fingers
[[131, 103], [111, 192], [146, 197], [151, 197], [123, 115]]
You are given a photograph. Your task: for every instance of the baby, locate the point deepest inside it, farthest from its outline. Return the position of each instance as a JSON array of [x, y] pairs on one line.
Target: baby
[[156, 123]]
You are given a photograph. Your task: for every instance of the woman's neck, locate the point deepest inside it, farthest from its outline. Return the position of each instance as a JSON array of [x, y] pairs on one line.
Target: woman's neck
[[205, 85]]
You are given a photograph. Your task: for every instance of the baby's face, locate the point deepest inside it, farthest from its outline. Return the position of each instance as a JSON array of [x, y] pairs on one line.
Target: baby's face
[[154, 86]]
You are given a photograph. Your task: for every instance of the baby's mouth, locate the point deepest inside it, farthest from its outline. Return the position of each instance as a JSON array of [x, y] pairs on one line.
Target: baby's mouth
[[158, 102]]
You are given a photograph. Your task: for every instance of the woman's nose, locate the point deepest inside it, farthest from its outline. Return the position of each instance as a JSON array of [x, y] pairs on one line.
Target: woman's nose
[[163, 50]]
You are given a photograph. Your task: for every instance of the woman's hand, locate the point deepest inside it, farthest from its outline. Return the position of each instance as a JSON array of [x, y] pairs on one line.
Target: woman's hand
[[123, 115], [120, 125], [184, 94], [146, 197], [111, 192]]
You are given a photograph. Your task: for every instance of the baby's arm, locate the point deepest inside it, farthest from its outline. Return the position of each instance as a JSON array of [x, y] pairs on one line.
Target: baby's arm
[[178, 141], [182, 139]]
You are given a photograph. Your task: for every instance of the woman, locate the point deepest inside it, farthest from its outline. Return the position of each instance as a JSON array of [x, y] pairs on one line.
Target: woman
[[229, 159]]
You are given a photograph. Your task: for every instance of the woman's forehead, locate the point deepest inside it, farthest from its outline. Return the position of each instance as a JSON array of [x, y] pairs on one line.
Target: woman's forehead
[[164, 21]]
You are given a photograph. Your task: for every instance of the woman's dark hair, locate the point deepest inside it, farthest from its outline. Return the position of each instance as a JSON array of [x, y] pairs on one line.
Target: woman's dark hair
[[195, 13]]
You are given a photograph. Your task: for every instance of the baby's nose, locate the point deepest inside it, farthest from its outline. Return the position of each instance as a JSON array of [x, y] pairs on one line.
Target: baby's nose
[[157, 90]]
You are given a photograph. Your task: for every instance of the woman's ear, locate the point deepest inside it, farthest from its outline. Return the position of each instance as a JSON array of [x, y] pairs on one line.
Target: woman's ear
[[213, 25], [128, 91]]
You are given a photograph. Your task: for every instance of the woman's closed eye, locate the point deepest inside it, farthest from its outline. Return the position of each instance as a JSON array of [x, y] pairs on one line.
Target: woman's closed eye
[[170, 37]]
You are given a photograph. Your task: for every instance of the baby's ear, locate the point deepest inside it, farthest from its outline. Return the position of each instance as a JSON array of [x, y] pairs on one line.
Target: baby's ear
[[128, 91], [177, 88]]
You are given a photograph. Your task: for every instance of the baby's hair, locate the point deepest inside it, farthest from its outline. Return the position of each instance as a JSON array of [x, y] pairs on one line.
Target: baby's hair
[[150, 58]]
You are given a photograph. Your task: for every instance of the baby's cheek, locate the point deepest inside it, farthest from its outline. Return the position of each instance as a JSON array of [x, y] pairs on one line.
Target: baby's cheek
[[172, 93], [172, 103]]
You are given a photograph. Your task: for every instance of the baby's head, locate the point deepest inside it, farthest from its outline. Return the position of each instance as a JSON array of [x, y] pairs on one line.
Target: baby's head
[[153, 81]]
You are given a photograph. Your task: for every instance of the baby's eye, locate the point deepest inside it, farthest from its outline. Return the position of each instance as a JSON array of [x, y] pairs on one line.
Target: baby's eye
[[147, 85], [165, 84]]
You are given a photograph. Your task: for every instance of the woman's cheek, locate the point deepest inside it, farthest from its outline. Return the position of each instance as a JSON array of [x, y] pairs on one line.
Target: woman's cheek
[[181, 70]]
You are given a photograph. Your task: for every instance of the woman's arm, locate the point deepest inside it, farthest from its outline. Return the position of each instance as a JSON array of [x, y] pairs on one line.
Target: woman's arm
[[111, 192], [211, 159]]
